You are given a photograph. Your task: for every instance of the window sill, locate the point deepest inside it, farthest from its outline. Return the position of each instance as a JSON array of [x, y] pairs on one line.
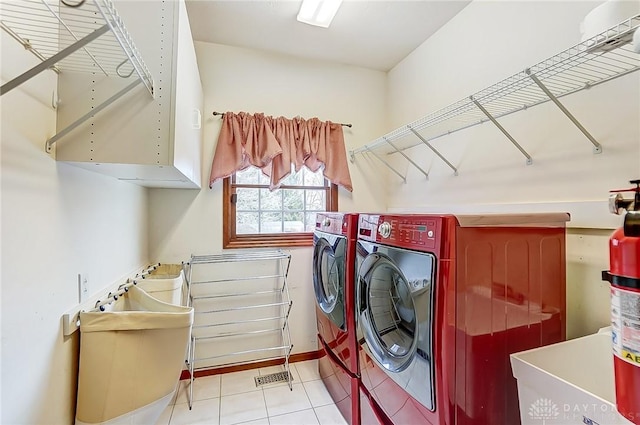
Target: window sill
[[270, 240]]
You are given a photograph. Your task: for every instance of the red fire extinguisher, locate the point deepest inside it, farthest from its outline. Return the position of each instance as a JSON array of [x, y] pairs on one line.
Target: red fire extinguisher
[[624, 275]]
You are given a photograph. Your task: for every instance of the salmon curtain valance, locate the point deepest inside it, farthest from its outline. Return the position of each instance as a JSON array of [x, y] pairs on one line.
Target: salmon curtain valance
[[274, 144]]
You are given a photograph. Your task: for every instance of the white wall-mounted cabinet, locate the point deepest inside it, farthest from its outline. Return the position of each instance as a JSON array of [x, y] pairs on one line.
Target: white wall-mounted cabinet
[[151, 142]]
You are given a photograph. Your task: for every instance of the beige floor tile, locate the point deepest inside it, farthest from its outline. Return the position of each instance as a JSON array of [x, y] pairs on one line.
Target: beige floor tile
[[203, 412], [204, 388], [303, 417], [317, 393], [281, 400], [243, 407], [165, 416], [294, 372], [329, 415], [238, 382], [308, 371], [263, 421], [234, 399]]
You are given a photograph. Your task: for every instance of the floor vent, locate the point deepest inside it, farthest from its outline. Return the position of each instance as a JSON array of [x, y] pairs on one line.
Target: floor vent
[[273, 378]]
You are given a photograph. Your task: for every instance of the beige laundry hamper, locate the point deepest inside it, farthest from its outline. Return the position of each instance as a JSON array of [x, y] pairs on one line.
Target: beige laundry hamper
[[130, 359], [164, 282]]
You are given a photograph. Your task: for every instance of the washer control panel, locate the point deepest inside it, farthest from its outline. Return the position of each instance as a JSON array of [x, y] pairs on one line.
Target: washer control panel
[[411, 231], [384, 229]]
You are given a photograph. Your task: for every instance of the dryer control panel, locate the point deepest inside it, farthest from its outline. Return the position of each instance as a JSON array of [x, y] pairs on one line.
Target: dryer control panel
[[337, 223], [408, 231]]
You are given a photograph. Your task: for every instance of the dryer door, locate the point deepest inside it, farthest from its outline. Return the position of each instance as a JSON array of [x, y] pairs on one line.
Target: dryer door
[[328, 275], [395, 307]]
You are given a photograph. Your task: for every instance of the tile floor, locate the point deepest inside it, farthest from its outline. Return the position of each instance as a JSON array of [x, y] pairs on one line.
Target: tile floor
[[233, 398]]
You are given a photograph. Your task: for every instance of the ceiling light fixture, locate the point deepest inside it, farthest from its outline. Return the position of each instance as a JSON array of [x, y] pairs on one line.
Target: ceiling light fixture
[[318, 12]]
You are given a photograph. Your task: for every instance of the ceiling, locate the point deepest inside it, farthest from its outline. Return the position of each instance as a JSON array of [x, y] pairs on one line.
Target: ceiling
[[375, 34]]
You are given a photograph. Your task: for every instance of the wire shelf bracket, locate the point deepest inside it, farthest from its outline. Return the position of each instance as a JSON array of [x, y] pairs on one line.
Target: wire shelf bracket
[[597, 60], [95, 37], [27, 75], [407, 158], [404, 179], [27, 45], [597, 148], [503, 130], [434, 150]]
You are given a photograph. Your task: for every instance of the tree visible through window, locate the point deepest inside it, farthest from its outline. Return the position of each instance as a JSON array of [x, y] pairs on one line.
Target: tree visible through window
[[257, 216]]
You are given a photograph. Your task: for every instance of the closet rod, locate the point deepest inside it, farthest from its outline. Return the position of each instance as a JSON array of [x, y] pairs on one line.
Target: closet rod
[[222, 115]]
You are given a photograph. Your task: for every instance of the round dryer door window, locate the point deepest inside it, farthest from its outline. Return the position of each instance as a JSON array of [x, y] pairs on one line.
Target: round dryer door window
[[328, 278], [389, 316]]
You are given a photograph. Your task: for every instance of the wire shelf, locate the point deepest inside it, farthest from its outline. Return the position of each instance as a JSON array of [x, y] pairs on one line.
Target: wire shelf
[[47, 27], [599, 59]]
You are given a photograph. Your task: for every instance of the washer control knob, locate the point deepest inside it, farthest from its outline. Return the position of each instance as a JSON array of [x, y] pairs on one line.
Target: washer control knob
[[385, 229], [430, 233], [326, 222]]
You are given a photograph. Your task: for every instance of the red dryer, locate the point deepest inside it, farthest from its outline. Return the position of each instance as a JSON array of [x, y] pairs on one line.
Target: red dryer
[[334, 243], [442, 301]]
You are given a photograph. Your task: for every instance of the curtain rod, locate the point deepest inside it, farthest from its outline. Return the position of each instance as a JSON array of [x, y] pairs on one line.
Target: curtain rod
[[222, 115]]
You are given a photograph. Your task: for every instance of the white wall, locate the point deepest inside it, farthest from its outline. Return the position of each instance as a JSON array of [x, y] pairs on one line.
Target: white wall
[[57, 221], [485, 43], [236, 79]]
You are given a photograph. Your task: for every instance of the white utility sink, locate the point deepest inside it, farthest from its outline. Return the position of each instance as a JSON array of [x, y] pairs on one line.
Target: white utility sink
[[568, 383]]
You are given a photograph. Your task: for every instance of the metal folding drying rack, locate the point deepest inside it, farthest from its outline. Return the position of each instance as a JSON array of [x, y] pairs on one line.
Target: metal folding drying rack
[[599, 59], [278, 324], [85, 36]]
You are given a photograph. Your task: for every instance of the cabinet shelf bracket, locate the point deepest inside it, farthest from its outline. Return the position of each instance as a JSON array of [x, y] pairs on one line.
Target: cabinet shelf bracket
[[407, 158], [89, 114], [597, 148], [27, 75], [404, 179], [434, 150], [503, 130]]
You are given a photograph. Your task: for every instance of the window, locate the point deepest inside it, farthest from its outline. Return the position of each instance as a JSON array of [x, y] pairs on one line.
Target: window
[[254, 216]]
